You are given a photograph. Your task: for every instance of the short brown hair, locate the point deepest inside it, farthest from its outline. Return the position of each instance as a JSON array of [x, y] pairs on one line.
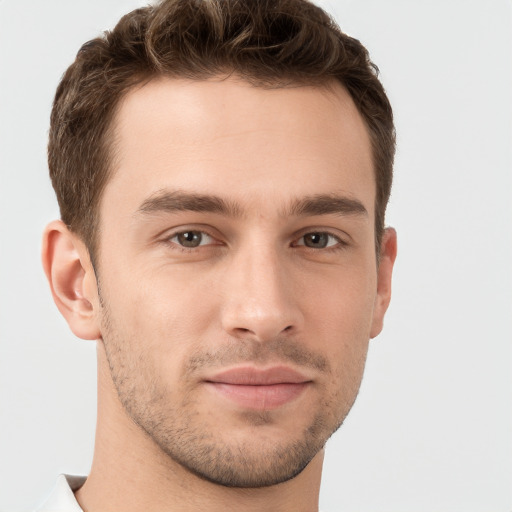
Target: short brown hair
[[269, 43]]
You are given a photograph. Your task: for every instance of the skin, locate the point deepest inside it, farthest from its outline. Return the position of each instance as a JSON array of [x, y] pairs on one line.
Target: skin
[[284, 276]]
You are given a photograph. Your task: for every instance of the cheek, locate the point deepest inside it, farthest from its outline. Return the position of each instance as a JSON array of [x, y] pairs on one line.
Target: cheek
[[339, 325], [344, 307], [161, 314]]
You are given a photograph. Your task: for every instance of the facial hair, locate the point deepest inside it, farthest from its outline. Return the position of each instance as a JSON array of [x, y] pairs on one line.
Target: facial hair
[[173, 420]]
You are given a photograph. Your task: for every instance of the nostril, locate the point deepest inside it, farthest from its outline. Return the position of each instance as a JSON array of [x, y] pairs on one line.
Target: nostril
[[287, 328]]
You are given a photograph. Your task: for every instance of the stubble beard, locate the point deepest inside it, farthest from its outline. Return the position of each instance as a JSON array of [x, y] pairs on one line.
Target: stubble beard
[[185, 437]]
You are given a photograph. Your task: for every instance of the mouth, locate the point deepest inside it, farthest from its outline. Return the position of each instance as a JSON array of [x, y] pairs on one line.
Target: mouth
[[259, 389]]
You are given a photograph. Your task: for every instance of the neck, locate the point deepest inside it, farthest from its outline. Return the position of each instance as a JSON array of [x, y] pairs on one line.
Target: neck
[[130, 472]]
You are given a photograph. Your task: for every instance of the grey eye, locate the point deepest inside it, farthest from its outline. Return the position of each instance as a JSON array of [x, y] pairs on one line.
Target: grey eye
[[190, 238], [318, 240]]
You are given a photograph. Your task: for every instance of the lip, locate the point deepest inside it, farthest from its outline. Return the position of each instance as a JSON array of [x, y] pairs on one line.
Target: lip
[[259, 389]]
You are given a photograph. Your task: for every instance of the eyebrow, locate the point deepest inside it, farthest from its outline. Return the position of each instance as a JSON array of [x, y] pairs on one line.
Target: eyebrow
[[176, 201], [165, 201], [327, 204]]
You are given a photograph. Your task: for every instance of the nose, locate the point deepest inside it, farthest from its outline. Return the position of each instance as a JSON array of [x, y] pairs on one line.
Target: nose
[[260, 300]]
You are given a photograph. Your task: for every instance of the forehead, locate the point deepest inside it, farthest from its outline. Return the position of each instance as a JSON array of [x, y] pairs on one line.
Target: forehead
[[225, 137]]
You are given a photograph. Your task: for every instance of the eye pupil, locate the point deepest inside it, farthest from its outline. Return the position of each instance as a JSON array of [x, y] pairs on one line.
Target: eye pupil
[[316, 240], [190, 238]]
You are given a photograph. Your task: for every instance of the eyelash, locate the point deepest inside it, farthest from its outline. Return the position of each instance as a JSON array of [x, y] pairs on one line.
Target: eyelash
[[178, 246], [338, 245]]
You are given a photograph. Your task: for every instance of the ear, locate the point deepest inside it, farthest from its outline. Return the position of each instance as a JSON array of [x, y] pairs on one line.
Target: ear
[[384, 274], [68, 267]]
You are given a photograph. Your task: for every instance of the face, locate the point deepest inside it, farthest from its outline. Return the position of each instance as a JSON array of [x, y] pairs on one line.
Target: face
[[237, 272]]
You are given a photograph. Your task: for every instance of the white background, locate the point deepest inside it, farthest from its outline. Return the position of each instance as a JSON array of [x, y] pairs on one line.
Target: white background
[[432, 428]]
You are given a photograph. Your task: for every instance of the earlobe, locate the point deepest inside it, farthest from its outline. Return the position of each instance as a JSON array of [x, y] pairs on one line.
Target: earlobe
[[384, 277], [72, 281]]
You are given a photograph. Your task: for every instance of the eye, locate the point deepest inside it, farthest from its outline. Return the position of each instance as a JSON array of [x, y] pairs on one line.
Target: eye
[[191, 239], [318, 240]]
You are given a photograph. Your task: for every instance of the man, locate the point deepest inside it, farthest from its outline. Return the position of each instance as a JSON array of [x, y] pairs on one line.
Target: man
[[222, 169]]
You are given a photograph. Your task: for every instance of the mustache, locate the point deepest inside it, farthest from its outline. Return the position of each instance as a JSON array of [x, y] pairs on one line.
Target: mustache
[[249, 351]]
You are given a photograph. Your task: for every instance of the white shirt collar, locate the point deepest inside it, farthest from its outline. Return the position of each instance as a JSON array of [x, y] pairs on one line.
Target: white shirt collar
[[62, 498]]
